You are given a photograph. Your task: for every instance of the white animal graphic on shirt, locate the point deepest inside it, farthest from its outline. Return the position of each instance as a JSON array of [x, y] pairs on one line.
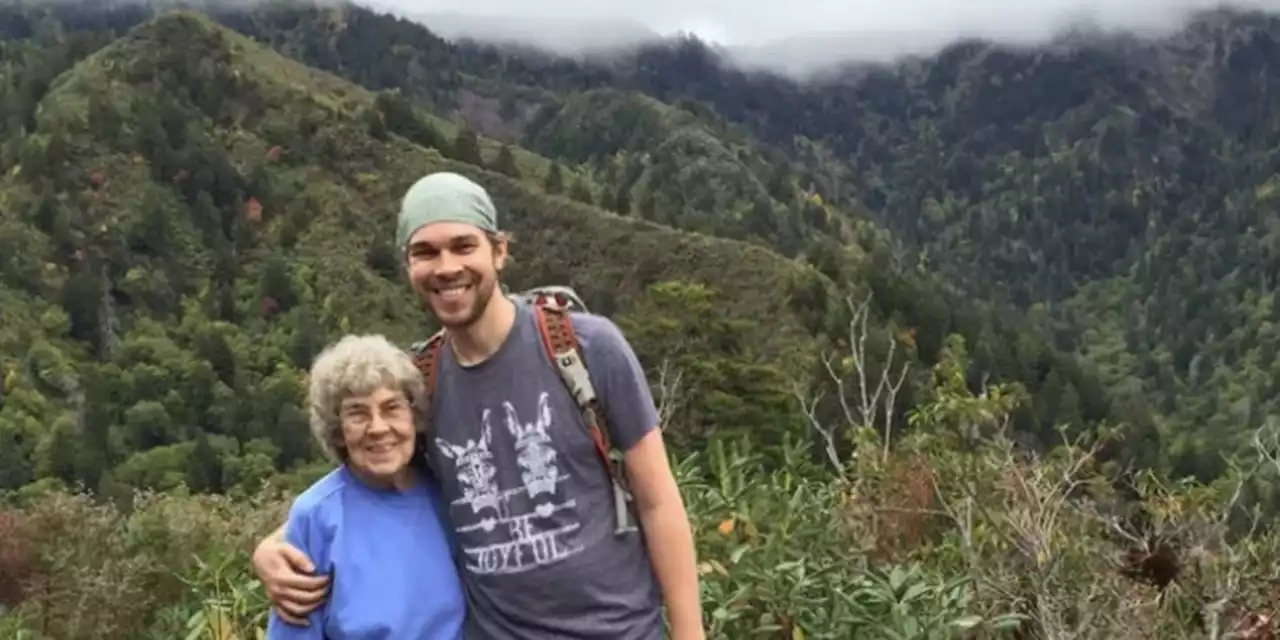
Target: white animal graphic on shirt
[[475, 470], [534, 451], [527, 525]]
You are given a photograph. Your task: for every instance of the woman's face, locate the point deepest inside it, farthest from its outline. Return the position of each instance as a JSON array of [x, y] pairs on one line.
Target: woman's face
[[379, 434]]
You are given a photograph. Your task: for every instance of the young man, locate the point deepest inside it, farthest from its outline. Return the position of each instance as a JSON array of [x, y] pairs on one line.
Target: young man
[[531, 506]]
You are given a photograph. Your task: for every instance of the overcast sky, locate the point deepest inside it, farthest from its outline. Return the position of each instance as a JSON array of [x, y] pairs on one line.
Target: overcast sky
[[887, 27]]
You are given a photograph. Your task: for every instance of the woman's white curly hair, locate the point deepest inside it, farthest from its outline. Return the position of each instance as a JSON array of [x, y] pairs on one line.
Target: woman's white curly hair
[[358, 365]]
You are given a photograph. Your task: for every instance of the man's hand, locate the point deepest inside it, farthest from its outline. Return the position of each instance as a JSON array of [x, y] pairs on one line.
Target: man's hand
[[287, 574]]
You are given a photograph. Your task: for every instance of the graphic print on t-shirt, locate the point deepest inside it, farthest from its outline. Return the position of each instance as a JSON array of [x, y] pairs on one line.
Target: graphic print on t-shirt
[[523, 527]]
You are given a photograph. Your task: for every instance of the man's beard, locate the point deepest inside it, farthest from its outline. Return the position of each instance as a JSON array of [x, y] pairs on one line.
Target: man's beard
[[482, 289]]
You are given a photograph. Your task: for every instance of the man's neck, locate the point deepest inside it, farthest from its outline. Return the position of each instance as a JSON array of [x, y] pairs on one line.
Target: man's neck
[[485, 336]]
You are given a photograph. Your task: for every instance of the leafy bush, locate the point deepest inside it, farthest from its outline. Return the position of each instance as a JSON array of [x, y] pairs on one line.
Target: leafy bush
[[951, 533]]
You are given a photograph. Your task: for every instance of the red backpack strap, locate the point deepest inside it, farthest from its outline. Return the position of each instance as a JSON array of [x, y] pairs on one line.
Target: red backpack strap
[[426, 356], [556, 328]]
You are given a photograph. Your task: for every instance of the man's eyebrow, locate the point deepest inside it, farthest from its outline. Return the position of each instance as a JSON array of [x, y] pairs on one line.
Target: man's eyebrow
[[468, 237]]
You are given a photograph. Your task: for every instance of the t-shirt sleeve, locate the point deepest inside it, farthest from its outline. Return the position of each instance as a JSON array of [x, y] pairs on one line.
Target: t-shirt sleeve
[[619, 380], [300, 530]]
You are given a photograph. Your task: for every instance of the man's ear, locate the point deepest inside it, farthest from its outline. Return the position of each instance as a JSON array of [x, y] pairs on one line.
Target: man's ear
[[500, 253]]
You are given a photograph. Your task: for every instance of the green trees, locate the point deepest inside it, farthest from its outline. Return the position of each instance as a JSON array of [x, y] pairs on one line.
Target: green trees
[[203, 261], [196, 213], [506, 163], [951, 528], [184, 249], [708, 378], [466, 148]]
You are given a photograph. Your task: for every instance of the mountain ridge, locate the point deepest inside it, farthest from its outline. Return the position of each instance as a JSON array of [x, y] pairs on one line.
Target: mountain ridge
[[197, 202], [196, 227], [249, 168]]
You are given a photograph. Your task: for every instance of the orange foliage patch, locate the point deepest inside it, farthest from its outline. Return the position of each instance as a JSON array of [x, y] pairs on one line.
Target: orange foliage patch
[[269, 306], [16, 551], [905, 506], [726, 527], [253, 210]]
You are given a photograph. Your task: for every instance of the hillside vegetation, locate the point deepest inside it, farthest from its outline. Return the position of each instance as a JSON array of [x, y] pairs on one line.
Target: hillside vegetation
[[203, 215], [196, 202], [1113, 189], [1119, 190]]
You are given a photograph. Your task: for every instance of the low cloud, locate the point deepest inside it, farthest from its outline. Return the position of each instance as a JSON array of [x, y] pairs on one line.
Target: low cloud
[[798, 35], [795, 37]]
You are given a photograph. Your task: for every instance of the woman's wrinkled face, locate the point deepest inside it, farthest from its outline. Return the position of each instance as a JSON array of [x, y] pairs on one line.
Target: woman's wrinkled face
[[379, 434]]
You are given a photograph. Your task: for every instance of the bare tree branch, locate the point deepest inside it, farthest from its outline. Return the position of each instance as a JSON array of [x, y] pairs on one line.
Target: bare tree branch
[[670, 392], [889, 403], [867, 398], [874, 398], [808, 407], [882, 398], [1266, 442]]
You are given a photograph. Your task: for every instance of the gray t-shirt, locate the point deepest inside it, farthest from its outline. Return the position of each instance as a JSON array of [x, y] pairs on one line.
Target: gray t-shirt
[[529, 498]]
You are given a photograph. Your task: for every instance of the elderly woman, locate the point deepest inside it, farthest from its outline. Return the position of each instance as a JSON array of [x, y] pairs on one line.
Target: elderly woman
[[373, 525]]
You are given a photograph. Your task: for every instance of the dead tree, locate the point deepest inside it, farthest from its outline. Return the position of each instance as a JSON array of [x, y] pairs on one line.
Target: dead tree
[[669, 392], [867, 398]]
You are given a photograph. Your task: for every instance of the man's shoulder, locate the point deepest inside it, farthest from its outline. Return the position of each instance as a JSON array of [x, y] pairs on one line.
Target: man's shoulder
[[599, 338], [590, 323], [587, 326], [596, 331]]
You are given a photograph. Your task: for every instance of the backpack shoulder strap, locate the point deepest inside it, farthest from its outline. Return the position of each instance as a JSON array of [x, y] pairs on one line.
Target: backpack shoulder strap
[[426, 356], [561, 342]]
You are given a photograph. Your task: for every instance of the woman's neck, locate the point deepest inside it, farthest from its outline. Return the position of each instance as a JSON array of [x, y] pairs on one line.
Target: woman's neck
[[402, 480]]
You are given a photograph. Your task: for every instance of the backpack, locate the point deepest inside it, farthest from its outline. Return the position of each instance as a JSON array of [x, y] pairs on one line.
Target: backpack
[[552, 306]]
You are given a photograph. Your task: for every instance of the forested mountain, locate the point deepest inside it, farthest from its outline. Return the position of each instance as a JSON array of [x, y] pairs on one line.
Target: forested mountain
[[203, 194], [198, 216], [1118, 189], [1068, 242], [1115, 189]]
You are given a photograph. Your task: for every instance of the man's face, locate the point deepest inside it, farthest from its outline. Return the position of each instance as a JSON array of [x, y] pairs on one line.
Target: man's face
[[453, 268]]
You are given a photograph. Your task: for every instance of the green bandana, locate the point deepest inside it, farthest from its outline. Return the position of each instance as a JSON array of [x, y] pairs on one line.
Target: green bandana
[[444, 197]]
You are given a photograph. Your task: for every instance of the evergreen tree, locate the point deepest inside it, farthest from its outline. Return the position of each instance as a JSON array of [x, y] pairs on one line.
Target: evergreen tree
[[466, 147], [554, 184], [581, 192], [506, 163]]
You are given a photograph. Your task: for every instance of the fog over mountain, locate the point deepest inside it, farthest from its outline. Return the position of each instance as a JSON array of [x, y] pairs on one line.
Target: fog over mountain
[[796, 36], [566, 36]]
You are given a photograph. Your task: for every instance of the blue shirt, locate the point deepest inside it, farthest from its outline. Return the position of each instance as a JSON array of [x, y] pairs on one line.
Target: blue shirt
[[389, 559]]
